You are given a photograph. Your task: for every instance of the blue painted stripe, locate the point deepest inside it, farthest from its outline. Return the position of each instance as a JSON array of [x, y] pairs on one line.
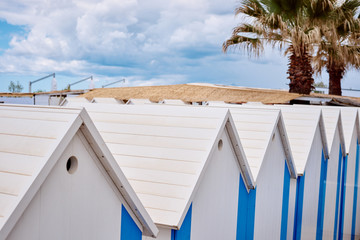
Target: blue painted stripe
[[355, 192], [251, 214], [184, 232], [299, 206], [129, 229], [321, 201], [285, 203], [342, 200], [338, 187], [246, 212]]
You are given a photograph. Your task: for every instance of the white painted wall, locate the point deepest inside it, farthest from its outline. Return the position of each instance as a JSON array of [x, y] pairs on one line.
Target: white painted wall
[[311, 189], [17, 100], [349, 186], [82, 205], [164, 234], [42, 99], [215, 203], [331, 187], [269, 192], [214, 209]]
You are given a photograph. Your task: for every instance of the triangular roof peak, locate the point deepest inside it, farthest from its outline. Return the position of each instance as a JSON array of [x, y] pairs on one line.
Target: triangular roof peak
[[165, 149], [40, 135], [332, 122], [350, 123], [301, 125], [256, 127]]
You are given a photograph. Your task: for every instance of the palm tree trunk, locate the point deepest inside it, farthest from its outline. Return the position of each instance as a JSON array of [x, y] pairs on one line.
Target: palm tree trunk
[[336, 73], [300, 73]]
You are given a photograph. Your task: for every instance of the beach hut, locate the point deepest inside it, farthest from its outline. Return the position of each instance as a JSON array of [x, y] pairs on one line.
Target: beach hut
[[138, 101], [186, 165], [58, 180], [306, 132], [335, 139], [73, 101], [266, 146], [348, 217], [107, 100]]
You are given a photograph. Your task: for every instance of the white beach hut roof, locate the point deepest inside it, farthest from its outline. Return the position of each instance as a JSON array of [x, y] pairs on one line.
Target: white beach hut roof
[[164, 150], [32, 140], [255, 127], [350, 121], [73, 101], [138, 101], [301, 124], [332, 120], [107, 100]]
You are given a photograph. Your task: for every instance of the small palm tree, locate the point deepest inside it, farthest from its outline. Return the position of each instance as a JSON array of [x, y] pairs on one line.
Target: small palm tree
[[340, 46], [290, 23]]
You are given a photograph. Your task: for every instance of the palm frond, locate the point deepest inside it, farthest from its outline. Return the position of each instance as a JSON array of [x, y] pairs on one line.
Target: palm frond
[[251, 8], [253, 46]]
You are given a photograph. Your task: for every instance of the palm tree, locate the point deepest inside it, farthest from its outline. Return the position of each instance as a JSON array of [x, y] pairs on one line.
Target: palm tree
[[290, 23], [340, 46]]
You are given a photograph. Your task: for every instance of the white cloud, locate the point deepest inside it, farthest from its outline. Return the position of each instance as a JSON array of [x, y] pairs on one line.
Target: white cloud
[[67, 30], [148, 42]]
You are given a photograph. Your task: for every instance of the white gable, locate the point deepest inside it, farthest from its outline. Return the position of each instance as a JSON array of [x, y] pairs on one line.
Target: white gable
[[28, 137], [32, 140], [56, 205], [162, 150], [255, 128], [331, 120], [301, 124]]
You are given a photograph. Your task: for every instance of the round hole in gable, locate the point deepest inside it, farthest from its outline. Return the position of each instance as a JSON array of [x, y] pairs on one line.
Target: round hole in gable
[[220, 144], [71, 165]]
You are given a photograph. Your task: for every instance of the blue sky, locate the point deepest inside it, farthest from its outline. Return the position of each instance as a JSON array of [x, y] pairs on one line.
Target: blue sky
[[146, 42]]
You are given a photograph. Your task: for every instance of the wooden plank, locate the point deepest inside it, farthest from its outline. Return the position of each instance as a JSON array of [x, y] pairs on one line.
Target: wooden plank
[[157, 152], [166, 131], [31, 127], [154, 141], [158, 164], [258, 127], [156, 176], [38, 115], [162, 203], [157, 110], [26, 145], [166, 218], [13, 184], [155, 120], [160, 189], [21, 164]]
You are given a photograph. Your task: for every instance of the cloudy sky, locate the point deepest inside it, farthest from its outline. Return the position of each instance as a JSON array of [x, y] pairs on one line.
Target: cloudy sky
[[146, 42]]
